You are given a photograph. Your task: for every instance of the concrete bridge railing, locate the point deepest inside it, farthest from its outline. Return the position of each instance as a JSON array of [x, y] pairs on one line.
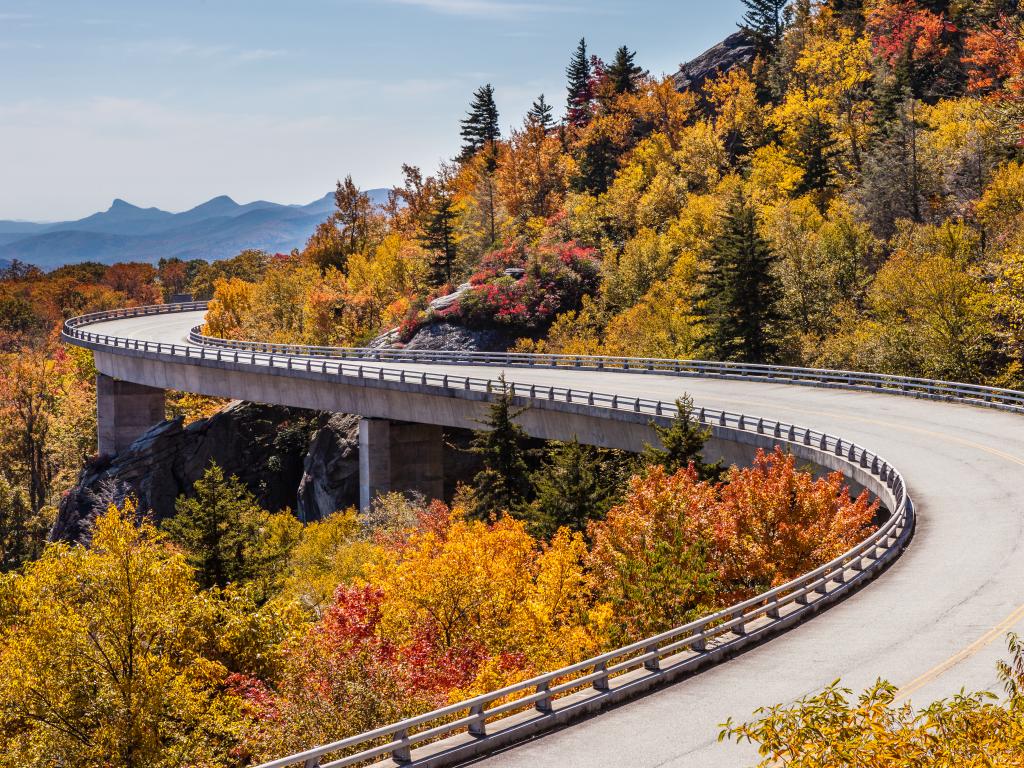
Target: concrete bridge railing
[[486, 723]]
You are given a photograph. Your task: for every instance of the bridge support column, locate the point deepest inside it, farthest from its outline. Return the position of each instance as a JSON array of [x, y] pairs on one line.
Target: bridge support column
[[124, 411], [398, 456]]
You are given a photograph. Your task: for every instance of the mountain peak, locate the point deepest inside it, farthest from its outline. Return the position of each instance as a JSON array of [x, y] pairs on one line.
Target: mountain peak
[[122, 205]]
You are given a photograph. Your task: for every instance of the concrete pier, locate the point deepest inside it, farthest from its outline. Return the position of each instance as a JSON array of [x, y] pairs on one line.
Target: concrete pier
[[399, 456], [124, 411]]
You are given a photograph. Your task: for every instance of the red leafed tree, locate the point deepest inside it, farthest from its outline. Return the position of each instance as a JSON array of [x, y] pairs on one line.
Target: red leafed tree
[[904, 33], [343, 676], [994, 57]]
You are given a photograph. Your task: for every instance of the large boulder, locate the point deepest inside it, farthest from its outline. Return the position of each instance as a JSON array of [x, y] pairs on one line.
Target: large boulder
[[737, 50]]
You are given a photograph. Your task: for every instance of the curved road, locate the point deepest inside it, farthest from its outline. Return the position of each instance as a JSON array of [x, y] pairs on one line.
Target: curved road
[[931, 624]]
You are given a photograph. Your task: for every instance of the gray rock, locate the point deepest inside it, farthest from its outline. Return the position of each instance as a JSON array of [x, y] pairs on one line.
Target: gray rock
[[264, 446], [737, 50], [330, 477], [456, 338]]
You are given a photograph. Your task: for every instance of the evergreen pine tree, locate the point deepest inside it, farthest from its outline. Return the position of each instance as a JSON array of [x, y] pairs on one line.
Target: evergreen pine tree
[[623, 73], [540, 114], [438, 237], [814, 153], [765, 22], [577, 483], [480, 128], [683, 444], [504, 482], [580, 88], [215, 526], [597, 164], [739, 302]]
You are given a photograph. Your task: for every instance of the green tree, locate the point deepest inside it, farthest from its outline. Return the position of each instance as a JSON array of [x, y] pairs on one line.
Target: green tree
[[438, 237], [576, 484], [504, 482], [480, 128], [682, 444], [216, 527], [623, 73], [814, 153], [765, 22], [739, 301], [580, 88], [540, 114]]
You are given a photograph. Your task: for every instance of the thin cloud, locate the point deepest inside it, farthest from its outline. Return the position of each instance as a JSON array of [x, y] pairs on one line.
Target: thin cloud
[[186, 49]]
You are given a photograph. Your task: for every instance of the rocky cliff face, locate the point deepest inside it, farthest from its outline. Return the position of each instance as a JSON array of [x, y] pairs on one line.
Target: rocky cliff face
[[267, 447], [737, 50], [290, 458]]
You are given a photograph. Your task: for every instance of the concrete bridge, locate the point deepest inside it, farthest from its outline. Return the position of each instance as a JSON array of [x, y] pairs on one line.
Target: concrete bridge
[[931, 624]]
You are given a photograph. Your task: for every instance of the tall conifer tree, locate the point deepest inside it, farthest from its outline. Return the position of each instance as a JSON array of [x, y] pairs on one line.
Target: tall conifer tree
[[439, 239], [540, 114], [623, 73], [480, 128], [580, 88], [504, 482], [765, 21], [740, 298]]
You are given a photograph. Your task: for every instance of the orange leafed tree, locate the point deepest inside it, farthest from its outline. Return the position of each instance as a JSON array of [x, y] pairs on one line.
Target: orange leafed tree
[[678, 547]]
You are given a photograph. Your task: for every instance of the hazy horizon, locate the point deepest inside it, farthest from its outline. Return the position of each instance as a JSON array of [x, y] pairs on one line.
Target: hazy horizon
[[168, 106]]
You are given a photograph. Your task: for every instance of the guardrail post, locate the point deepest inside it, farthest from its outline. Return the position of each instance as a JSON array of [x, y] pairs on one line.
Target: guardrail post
[[402, 753], [601, 683], [741, 628], [652, 664], [478, 727], [313, 762], [772, 611], [700, 643], [543, 705]]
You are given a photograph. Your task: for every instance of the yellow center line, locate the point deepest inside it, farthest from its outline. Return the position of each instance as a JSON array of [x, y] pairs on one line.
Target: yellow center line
[[918, 682]]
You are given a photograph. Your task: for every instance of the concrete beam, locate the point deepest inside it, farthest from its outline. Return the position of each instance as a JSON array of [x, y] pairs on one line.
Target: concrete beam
[[124, 412], [397, 456]]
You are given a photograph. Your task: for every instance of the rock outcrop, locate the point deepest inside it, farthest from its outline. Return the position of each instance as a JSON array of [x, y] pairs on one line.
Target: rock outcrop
[[737, 50], [290, 458], [265, 446], [457, 338], [330, 476]]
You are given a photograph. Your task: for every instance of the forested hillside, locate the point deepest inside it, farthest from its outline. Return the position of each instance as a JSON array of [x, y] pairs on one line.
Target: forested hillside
[[847, 191]]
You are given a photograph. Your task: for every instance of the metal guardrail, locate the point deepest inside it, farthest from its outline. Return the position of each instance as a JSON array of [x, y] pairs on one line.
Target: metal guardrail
[[616, 674], [975, 394]]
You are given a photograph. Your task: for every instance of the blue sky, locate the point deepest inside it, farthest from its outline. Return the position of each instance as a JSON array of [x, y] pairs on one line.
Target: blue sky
[[171, 103]]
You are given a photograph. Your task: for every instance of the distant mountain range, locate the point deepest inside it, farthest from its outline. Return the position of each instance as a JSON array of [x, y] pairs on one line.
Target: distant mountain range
[[217, 229]]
